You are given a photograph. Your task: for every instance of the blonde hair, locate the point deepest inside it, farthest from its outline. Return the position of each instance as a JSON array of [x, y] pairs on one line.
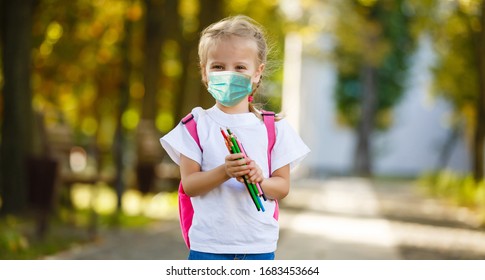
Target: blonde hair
[[240, 26]]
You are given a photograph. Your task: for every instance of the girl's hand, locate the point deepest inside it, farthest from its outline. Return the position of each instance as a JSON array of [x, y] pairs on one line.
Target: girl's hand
[[236, 166], [255, 174]]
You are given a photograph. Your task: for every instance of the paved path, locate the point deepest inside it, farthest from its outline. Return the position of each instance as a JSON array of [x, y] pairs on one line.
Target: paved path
[[328, 219], [334, 219]]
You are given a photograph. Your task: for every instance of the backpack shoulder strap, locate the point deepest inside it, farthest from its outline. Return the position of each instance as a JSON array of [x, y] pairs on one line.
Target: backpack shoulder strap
[[191, 125], [186, 210], [269, 122]]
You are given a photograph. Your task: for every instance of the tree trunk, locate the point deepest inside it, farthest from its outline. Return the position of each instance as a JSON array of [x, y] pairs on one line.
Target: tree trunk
[[447, 149], [479, 139], [153, 47], [182, 102], [16, 143], [119, 141], [211, 11], [193, 91], [190, 84], [148, 149], [363, 154]]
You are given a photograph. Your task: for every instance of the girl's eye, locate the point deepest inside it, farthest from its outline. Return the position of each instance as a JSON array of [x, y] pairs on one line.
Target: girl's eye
[[241, 67], [217, 67]]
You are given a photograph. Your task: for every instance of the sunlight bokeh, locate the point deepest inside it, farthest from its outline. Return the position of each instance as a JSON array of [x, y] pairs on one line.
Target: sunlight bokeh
[[161, 206], [132, 202], [78, 159], [81, 196], [102, 199]]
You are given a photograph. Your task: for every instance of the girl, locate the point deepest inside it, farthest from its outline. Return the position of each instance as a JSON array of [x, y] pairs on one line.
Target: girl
[[226, 224]]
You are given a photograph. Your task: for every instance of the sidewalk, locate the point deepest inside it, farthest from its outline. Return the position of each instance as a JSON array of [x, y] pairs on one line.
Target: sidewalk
[[330, 219]]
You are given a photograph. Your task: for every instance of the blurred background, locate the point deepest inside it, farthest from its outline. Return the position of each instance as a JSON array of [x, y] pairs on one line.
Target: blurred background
[[390, 89]]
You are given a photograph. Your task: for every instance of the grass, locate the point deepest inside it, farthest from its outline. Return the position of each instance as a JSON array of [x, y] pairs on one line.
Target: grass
[[18, 240], [459, 189]]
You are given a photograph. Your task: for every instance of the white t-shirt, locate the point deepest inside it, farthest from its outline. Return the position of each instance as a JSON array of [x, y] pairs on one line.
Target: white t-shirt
[[226, 220]]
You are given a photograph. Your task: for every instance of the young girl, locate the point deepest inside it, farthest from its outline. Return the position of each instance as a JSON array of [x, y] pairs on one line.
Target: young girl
[[226, 223]]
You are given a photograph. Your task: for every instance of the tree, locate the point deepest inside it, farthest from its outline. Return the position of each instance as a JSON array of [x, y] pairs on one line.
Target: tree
[[372, 46], [86, 65], [191, 91], [479, 143], [458, 32], [120, 137], [148, 149], [16, 145]]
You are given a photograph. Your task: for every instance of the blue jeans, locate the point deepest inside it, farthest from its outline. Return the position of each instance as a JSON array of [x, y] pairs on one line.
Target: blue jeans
[[196, 255]]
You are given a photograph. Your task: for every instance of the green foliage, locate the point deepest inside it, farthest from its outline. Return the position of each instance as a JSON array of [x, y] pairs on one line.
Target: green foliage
[[78, 65], [375, 34], [456, 71], [460, 189], [268, 15], [454, 27], [11, 239], [18, 243]]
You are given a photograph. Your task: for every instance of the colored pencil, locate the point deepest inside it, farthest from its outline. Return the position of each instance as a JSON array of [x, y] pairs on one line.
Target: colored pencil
[[260, 190], [233, 145]]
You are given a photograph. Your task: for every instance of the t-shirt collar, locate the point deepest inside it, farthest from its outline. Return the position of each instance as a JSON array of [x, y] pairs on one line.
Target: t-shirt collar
[[232, 120]]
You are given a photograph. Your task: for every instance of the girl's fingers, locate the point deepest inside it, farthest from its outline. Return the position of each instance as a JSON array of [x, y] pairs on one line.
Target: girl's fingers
[[237, 161], [237, 171], [241, 173], [240, 179], [256, 179], [232, 157], [238, 166], [256, 174]]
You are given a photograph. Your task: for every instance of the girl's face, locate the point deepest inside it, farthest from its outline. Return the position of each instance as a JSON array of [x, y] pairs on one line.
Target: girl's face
[[234, 54]]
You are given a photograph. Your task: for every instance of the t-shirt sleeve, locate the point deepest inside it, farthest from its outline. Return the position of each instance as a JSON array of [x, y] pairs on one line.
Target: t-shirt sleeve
[[289, 148], [179, 141]]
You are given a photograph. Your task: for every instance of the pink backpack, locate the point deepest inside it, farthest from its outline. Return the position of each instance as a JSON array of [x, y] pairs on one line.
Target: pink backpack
[[186, 211]]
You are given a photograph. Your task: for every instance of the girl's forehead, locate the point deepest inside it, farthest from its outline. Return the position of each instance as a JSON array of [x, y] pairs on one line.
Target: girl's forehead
[[237, 46]]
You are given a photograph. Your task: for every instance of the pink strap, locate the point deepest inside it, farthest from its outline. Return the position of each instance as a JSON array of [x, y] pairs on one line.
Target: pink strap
[[186, 210], [192, 128], [268, 119]]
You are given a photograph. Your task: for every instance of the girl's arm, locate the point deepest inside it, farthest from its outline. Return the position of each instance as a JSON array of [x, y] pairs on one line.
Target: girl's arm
[[275, 187], [196, 182], [278, 185]]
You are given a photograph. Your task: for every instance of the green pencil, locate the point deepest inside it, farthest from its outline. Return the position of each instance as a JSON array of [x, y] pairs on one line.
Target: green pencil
[[235, 149], [252, 187]]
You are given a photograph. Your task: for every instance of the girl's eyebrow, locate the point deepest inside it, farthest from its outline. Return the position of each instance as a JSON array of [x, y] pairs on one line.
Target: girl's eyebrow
[[245, 63]]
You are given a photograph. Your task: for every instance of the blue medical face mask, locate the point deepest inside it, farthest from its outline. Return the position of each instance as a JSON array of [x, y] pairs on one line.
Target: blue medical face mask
[[229, 88]]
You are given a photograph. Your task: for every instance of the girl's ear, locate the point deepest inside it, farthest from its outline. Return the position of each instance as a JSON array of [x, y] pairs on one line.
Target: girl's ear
[[203, 74], [258, 73]]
